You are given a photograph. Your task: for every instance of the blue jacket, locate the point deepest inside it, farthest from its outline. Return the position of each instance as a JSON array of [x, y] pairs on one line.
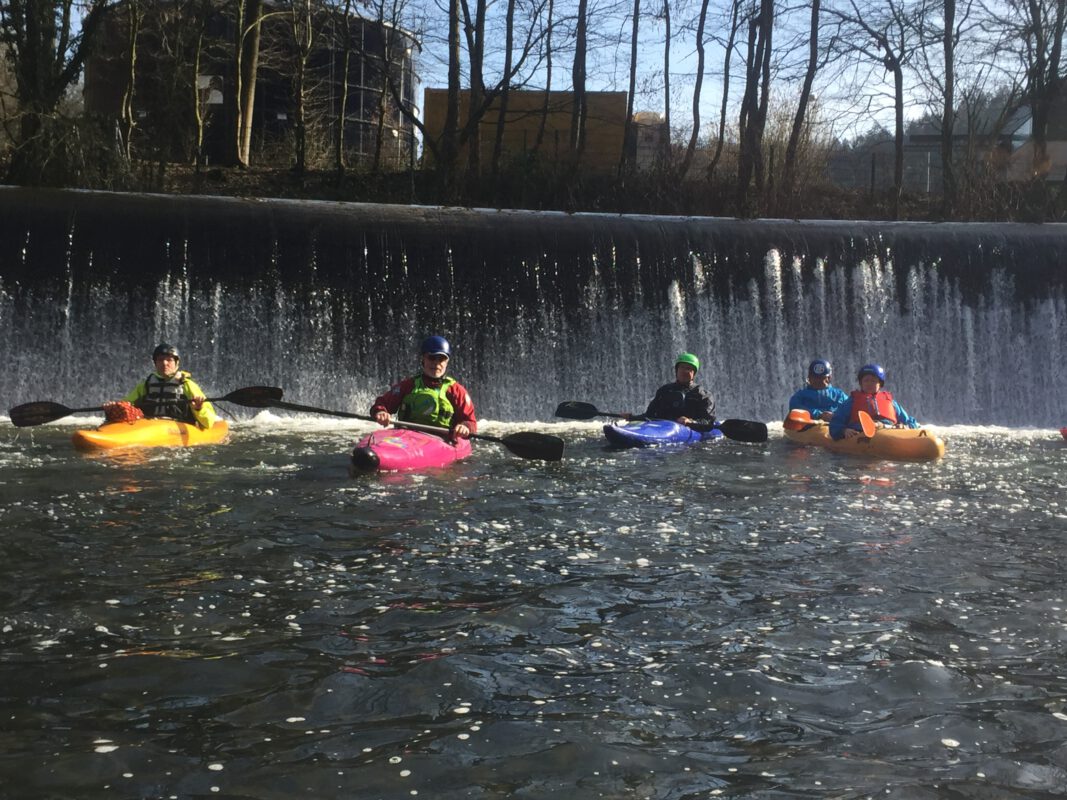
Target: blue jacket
[[844, 413], [816, 401]]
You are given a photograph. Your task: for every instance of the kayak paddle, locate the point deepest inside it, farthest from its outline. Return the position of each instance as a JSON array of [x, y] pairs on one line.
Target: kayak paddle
[[524, 444], [30, 414], [742, 430], [869, 428], [799, 420]]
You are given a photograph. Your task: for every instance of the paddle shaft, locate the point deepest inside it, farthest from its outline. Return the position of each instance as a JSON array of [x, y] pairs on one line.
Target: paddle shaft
[[415, 426], [741, 430], [44, 411]]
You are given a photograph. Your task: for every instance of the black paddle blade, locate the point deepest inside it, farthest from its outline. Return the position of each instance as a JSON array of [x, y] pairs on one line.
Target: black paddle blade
[[527, 444], [743, 430], [29, 414], [573, 409], [254, 396]]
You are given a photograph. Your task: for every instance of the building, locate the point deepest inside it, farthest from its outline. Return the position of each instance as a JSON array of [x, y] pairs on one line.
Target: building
[[604, 133], [173, 97]]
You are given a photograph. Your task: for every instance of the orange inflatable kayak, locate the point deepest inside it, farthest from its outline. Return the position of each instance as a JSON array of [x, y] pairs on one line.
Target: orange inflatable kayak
[[148, 433], [894, 444]]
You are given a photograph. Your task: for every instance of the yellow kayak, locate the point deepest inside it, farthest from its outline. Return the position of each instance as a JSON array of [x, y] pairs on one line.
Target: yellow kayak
[[895, 444], [148, 433]]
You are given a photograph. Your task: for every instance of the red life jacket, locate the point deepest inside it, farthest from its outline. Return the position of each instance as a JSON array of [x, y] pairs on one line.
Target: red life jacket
[[879, 405]]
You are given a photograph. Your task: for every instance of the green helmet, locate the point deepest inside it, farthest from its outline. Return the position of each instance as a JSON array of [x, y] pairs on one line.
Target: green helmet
[[688, 358]]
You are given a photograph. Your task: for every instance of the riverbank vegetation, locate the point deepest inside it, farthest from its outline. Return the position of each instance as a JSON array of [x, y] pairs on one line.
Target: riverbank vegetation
[[901, 109]]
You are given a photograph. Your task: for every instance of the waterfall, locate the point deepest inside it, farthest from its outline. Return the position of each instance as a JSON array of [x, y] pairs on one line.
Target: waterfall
[[329, 301]]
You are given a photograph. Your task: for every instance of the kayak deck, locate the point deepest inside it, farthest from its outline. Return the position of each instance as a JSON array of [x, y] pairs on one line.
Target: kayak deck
[[893, 444], [655, 432], [401, 449], [148, 433]]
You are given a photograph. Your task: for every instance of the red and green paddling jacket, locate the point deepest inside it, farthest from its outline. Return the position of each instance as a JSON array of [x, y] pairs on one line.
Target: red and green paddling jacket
[[428, 401]]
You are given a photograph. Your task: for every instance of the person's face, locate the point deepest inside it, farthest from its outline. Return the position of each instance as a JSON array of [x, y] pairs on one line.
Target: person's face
[[870, 383], [818, 381], [684, 373], [434, 365], [165, 365]]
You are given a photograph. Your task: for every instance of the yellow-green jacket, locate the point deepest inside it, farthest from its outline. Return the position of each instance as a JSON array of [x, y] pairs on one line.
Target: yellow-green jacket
[[159, 396]]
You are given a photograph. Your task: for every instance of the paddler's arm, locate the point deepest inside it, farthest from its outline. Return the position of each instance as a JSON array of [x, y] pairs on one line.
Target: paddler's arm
[[806, 399], [464, 423], [839, 420], [904, 418], [137, 394], [203, 412], [702, 416], [389, 403]]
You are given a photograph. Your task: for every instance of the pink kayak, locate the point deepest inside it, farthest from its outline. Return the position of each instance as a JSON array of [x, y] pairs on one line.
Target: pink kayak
[[402, 449], [1064, 432]]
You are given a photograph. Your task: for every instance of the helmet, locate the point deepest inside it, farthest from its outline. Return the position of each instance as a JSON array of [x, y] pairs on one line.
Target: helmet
[[436, 346], [820, 368], [164, 349], [877, 370], [688, 358]]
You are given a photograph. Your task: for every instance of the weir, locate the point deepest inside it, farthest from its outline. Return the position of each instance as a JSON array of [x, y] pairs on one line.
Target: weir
[[329, 300]]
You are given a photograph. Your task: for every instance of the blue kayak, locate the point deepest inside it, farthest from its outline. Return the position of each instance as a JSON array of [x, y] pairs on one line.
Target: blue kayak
[[656, 431]]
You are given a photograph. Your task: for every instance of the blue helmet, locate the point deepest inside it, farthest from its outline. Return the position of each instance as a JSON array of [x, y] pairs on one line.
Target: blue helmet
[[436, 346], [877, 370], [820, 368]]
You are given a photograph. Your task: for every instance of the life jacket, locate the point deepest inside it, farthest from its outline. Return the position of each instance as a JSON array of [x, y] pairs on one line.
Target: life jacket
[[879, 405], [673, 401], [427, 405], [165, 397]]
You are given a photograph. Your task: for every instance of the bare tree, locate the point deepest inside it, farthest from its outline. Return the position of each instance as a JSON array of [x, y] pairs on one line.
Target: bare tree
[[1036, 29], [580, 108], [301, 27], [790, 167], [505, 88], [728, 51], [627, 132], [886, 35], [47, 42], [691, 148], [754, 101], [134, 19]]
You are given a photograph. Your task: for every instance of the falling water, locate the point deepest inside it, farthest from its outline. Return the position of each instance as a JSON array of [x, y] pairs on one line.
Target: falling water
[[328, 301]]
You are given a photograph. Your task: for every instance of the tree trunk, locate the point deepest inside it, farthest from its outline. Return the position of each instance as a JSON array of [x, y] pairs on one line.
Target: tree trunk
[[667, 85], [789, 177], [548, 81], [450, 134], [246, 67], [948, 112], [509, 44], [628, 126], [691, 148], [475, 30], [754, 105], [579, 109], [134, 17], [721, 138], [342, 101]]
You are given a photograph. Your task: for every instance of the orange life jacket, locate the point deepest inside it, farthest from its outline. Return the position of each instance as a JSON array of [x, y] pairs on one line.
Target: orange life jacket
[[879, 405]]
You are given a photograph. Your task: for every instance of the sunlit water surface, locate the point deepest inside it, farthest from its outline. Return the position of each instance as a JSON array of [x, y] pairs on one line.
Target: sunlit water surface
[[247, 621]]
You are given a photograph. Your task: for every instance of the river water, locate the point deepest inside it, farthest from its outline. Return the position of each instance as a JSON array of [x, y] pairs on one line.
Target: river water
[[759, 621]]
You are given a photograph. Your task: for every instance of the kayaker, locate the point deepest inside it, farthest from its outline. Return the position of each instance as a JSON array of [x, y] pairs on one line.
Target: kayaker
[[872, 398], [169, 392], [430, 398], [683, 401], [819, 398]]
